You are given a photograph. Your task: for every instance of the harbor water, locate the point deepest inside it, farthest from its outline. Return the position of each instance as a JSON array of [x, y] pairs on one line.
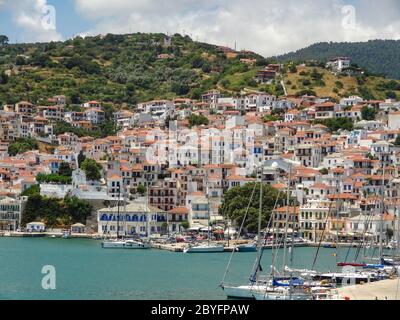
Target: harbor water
[[86, 271]]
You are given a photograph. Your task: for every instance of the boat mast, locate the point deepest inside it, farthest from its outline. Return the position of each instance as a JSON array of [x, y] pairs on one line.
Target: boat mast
[[259, 243], [397, 233], [146, 216], [119, 197], [125, 222], [287, 220], [209, 221], [382, 213], [338, 206]]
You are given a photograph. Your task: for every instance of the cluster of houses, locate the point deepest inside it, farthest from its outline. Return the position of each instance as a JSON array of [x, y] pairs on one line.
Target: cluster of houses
[[25, 119], [342, 182]]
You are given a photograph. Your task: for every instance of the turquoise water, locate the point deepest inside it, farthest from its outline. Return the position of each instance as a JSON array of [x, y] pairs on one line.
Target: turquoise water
[[86, 271]]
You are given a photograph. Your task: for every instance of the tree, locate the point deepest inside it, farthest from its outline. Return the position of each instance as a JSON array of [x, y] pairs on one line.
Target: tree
[[336, 124], [81, 158], [397, 141], [368, 113], [53, 178], [32, 190], [141, 189], [55, 212], [185, 225], [293, 68], [324, 171], [91, 169], [3, 40], [237, 199], [77, 209], [20, 61], [22, 145], [3, 78], [197, 120], [65, 169]]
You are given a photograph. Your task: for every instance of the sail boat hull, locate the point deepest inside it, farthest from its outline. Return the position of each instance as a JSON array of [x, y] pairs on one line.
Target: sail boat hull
[[243, 292], [124, 245], [281, 296], [205, 249]]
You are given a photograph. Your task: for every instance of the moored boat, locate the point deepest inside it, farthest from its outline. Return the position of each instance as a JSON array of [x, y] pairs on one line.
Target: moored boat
[[249, 247], [204, 248], [125, 244]]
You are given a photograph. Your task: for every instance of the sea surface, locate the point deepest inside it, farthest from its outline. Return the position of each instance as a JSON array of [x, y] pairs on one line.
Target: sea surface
[[86, 271]]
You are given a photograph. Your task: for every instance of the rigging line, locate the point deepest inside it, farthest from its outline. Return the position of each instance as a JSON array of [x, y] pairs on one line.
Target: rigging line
[[398, 284], [358, 247], [256, 267], [277, 246], [322, 236], [273, 251], [238, 234], [364, 241]]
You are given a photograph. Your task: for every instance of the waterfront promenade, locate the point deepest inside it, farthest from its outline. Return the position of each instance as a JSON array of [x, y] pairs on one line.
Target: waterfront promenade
[[381, 290]]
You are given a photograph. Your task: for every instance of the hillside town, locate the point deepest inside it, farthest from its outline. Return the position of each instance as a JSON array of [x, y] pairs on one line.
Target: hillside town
[[172, 161]]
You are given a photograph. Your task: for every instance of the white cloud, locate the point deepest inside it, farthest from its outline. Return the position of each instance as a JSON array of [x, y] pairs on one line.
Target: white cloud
[[266, 26], [34, 20]]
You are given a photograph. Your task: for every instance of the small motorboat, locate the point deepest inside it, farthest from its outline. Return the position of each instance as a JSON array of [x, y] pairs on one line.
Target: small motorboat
[[66, 235], [249, 247], [125, 244]]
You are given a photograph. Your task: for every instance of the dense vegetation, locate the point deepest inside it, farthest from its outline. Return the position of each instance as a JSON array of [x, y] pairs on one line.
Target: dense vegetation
[[53, 178], [120, 69], [22, 145], [376, 56], [197, 120], [236, 200], [92, 169], [336, 124], [313, 79], [55, 212]]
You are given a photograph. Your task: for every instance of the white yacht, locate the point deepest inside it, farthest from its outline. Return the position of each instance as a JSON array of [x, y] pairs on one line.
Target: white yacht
[[204, 248], [125, 244], [243, 292]]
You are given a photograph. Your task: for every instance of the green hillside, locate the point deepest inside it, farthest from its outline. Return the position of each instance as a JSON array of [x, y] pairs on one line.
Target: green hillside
[[377, 56], [319, 81], [126, 69], [121, 69]]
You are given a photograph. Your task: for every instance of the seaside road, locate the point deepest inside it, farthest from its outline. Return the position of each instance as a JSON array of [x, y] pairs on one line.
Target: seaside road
[[381, 290]]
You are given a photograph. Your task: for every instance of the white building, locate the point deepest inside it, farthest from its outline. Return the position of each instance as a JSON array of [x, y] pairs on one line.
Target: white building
[[339, 63], [370, 226], [160, 109], [394, 120], [350, 101], [135, 218], [11, 213]]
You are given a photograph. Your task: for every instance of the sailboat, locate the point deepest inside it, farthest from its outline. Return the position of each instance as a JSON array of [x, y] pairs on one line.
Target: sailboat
[[363, 272], [124, 243], [207, 247], [283, 287], [272, 287]]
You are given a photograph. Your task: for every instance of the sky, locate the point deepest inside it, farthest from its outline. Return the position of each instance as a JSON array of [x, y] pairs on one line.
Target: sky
[[268, 27]]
